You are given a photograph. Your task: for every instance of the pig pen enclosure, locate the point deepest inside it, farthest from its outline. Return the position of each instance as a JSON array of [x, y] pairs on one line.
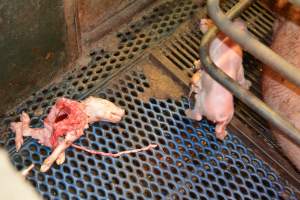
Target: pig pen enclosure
[[147, 74]]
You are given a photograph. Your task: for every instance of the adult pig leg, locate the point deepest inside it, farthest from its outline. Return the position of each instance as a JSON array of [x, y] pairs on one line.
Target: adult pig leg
[[290, 149]]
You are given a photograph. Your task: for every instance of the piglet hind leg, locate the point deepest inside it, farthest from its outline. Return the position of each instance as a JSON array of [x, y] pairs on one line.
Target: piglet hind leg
[[195, 113], [20, 129], [58, 153], [62, 156], [17, 128], [246, 84], [220, 130], [54, 156]]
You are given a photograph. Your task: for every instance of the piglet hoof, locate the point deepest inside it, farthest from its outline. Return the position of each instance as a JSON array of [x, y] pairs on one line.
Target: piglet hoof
[[189, 113], [192, 115], [61, 158], [221, 136], [45, 166]]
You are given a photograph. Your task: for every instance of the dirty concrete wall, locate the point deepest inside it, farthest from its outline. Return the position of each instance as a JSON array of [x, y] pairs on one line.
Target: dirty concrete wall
[[94, 12], [32, 47], [97, 18], [40, 38]]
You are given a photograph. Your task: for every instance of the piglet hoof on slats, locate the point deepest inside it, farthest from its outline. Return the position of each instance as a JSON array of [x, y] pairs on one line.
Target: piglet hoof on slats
[[193, 115]]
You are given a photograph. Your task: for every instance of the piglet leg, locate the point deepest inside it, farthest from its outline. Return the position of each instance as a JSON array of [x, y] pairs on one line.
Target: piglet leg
[[62, 156], [20, 128], [195, 113], [59, 150], [221, 133], [54, 156], [17, 128], [26, 171], [242, 80]]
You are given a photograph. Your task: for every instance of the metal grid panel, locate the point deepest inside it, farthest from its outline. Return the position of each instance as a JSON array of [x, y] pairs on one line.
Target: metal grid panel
[[190, 162]]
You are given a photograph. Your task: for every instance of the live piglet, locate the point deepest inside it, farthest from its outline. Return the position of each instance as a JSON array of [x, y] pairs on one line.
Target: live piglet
[[212, 100]]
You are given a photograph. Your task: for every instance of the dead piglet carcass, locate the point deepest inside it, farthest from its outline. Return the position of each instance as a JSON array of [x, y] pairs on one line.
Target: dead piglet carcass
[[64, 124], [68, 120], [212, 100], [79, 115]]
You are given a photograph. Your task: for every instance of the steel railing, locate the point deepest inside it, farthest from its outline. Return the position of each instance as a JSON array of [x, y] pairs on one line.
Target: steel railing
[[260, 51]]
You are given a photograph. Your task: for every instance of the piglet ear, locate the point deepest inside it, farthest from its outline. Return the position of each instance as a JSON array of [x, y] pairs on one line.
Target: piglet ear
[[240, 24]]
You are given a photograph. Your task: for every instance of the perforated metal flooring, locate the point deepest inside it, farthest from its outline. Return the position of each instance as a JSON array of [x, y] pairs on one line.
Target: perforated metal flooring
[[189, 162]]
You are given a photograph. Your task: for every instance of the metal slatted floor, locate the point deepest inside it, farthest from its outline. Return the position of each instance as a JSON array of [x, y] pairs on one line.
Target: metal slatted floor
[[190, 163]]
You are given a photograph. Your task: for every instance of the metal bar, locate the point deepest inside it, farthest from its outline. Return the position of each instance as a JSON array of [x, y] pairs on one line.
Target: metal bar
[[251, 44], [241, 93]]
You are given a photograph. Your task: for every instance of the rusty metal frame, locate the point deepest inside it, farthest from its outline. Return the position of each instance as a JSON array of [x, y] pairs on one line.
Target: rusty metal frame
[[247, 42]]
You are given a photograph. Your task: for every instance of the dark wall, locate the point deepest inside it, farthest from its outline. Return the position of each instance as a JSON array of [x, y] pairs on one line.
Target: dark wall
[[40, 38], [32, 47], [92, 13]]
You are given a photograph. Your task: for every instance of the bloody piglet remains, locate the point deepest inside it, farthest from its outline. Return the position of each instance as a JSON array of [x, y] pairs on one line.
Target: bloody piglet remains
[[212, 100], [66, 123]]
